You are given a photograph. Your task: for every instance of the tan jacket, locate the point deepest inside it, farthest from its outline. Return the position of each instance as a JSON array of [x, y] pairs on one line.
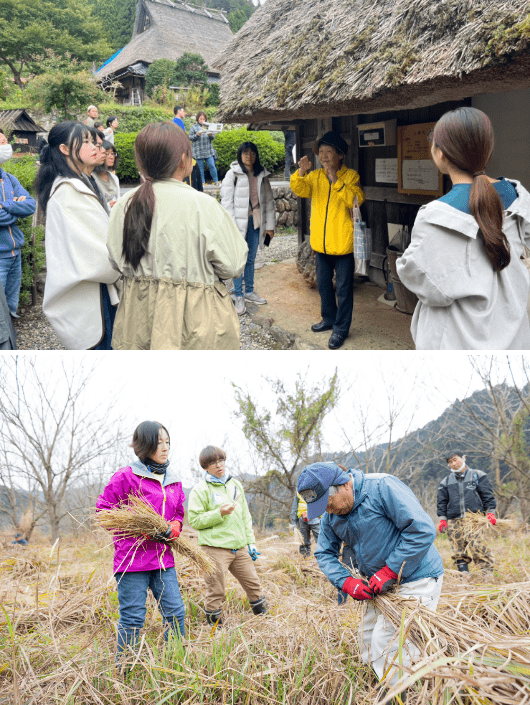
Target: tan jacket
[[175, 299]]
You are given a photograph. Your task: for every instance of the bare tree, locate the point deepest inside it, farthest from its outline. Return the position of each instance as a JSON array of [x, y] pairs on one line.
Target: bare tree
[[53, 430], [279, 444]]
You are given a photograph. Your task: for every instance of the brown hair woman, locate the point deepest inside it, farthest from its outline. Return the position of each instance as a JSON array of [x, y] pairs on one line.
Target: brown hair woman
[[464, 260], [173, 246]]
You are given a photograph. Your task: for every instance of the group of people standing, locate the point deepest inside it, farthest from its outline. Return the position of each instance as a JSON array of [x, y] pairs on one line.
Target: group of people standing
[[217, 509], [147, 271]]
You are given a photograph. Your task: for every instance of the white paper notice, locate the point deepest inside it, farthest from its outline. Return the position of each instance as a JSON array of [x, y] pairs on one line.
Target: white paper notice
[[420, 174], [386, 171]]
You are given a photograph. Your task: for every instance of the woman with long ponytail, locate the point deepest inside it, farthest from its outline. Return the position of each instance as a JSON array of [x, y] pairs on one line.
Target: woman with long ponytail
[[80, 298], [174, 246], [464, 260]]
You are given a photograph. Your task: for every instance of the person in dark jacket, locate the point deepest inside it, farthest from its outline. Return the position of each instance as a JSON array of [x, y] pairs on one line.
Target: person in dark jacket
[[392, 541], [15, 203], [465, 490], [305, 527]]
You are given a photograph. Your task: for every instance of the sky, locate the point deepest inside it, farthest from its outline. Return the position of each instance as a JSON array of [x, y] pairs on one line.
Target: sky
[[192, 393]]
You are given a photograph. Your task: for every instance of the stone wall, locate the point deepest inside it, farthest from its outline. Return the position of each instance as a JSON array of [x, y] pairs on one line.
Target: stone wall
[[286, 206]]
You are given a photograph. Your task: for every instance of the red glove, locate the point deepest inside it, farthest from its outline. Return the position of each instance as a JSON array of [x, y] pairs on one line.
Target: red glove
[[442, 528], [304, 516], [491, 517], [382, 580], [175, 527], [358, 589]]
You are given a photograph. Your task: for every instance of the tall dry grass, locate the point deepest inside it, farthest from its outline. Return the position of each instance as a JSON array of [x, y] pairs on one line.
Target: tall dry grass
[[59, 615]]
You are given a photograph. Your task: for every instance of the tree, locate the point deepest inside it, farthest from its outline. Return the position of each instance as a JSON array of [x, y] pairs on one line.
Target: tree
[[52, 432], [64, 87], [28, 29], [117, 19], [160, 73], [190, 70], [281, 445]]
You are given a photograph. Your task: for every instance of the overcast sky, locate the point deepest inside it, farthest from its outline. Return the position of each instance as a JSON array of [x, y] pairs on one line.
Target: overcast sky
[[192, 394]]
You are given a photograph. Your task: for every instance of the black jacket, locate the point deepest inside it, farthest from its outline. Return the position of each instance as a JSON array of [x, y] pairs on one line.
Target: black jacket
[[470, 491]]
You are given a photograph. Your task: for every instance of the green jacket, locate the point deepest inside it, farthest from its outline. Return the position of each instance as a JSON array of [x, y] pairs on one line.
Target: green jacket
[[231, 531]]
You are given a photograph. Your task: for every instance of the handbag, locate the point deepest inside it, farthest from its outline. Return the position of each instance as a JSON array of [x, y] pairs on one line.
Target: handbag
[[362, 241]]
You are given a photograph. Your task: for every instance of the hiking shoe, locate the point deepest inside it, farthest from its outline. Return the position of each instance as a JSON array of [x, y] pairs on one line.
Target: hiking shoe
[[254, 298], [240, 305]]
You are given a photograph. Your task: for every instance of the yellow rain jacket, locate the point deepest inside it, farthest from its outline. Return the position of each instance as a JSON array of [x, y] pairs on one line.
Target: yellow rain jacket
[[331, 220]]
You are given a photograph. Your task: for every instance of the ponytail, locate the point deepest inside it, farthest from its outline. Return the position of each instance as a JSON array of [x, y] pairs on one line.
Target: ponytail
[[137, 223], [486, 207], [465, 136]]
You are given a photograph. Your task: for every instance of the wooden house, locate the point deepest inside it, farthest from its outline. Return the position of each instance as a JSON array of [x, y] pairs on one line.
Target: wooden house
[[165, 30], [22, 127], [380, 74]]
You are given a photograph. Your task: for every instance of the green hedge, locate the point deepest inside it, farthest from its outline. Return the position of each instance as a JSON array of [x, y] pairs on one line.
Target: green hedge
[[25, 170], [271, 152], [127, 169], [132, 118]]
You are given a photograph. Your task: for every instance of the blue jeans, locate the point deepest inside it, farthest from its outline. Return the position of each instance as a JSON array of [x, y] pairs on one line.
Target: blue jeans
[[335, 312], [252, 238], [210, 163], [109, 314], [132, 594], [11, 278]]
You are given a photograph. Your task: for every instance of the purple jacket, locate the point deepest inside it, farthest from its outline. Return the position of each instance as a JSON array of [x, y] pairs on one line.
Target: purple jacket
[[166, 497]]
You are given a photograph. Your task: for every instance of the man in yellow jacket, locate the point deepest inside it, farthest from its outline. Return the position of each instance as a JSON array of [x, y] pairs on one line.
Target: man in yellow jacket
[[332, 190]]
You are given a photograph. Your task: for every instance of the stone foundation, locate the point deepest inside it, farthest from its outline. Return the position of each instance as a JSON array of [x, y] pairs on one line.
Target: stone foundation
[[286, 206]]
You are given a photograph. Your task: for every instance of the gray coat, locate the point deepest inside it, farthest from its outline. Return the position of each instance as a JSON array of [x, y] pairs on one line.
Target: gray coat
[[464, 304]]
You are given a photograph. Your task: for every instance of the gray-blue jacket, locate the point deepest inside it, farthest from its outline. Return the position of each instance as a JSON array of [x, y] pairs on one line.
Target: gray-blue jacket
[[387, 525]]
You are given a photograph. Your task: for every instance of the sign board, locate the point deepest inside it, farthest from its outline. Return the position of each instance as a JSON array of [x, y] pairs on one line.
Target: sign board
[[417, 173], [214, 127], [386, 171], [377, 134]]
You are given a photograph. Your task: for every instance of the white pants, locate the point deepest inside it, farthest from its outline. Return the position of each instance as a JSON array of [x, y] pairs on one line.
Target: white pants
[[379, 639]]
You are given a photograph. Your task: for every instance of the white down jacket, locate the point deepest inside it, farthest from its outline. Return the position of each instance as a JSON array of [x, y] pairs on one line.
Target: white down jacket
[[235, 199], [77, 262]]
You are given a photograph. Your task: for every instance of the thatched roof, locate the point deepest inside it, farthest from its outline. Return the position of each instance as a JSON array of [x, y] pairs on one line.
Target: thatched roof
[[296, 59], [166, 30]]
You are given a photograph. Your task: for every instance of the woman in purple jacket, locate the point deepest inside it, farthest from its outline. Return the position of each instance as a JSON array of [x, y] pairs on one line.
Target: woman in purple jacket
[[149, 564]]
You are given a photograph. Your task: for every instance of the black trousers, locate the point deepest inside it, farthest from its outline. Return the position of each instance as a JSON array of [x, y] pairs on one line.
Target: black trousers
[[336, 310]]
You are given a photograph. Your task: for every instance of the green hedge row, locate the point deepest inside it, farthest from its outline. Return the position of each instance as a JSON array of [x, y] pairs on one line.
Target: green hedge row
[[226, 144]]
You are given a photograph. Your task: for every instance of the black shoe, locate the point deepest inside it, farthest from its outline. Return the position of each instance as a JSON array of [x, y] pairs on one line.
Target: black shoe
[[260, 606], [336, 341], [462, 567], [320, 327], [214, 618]]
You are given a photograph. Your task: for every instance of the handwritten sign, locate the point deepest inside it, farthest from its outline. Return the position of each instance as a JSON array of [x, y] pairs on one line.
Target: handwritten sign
[[386, 171], [417, 173]]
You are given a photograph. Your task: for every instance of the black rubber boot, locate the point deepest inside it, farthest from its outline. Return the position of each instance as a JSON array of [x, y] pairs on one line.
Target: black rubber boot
[[462, 567], [214, 618], [260, 606]]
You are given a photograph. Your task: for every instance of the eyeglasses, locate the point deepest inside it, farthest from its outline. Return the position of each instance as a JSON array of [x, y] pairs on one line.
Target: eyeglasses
[[216, 462]]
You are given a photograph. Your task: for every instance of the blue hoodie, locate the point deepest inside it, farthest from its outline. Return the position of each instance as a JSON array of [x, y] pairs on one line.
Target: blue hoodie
[[11, 237], [387, 525]]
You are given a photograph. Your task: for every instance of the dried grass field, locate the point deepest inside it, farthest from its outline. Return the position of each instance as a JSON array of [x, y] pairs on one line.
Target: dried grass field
[[59, 612]]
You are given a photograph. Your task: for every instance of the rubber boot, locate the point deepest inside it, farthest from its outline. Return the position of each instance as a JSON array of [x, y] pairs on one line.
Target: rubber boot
[[214, 618], [464, 569], [260, 606]]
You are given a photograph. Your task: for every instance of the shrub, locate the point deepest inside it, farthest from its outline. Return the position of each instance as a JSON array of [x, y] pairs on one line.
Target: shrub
[[213, 99], [127, 169], [271, 153], [25, 170], [159, 73], [190, 70], [132, 118]]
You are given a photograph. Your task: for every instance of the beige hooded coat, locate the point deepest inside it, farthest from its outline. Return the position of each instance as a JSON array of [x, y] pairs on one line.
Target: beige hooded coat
[[175, 299]]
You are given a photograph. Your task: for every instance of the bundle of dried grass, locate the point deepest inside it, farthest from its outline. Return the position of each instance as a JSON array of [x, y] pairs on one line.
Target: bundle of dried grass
[[135, 518], [475, 523], [487, 659]]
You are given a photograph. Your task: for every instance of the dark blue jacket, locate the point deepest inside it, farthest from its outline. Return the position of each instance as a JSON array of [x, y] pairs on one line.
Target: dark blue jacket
[[387, 525], [11, 237]]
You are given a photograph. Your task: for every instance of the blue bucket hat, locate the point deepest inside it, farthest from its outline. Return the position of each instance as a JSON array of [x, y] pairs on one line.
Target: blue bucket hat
[[314, 483]]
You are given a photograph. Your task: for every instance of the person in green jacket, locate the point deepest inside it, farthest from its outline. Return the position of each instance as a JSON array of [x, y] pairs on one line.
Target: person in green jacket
[[217, 508]]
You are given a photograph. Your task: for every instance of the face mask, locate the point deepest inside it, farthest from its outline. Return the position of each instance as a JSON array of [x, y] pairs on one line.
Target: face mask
[[6, 152]]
